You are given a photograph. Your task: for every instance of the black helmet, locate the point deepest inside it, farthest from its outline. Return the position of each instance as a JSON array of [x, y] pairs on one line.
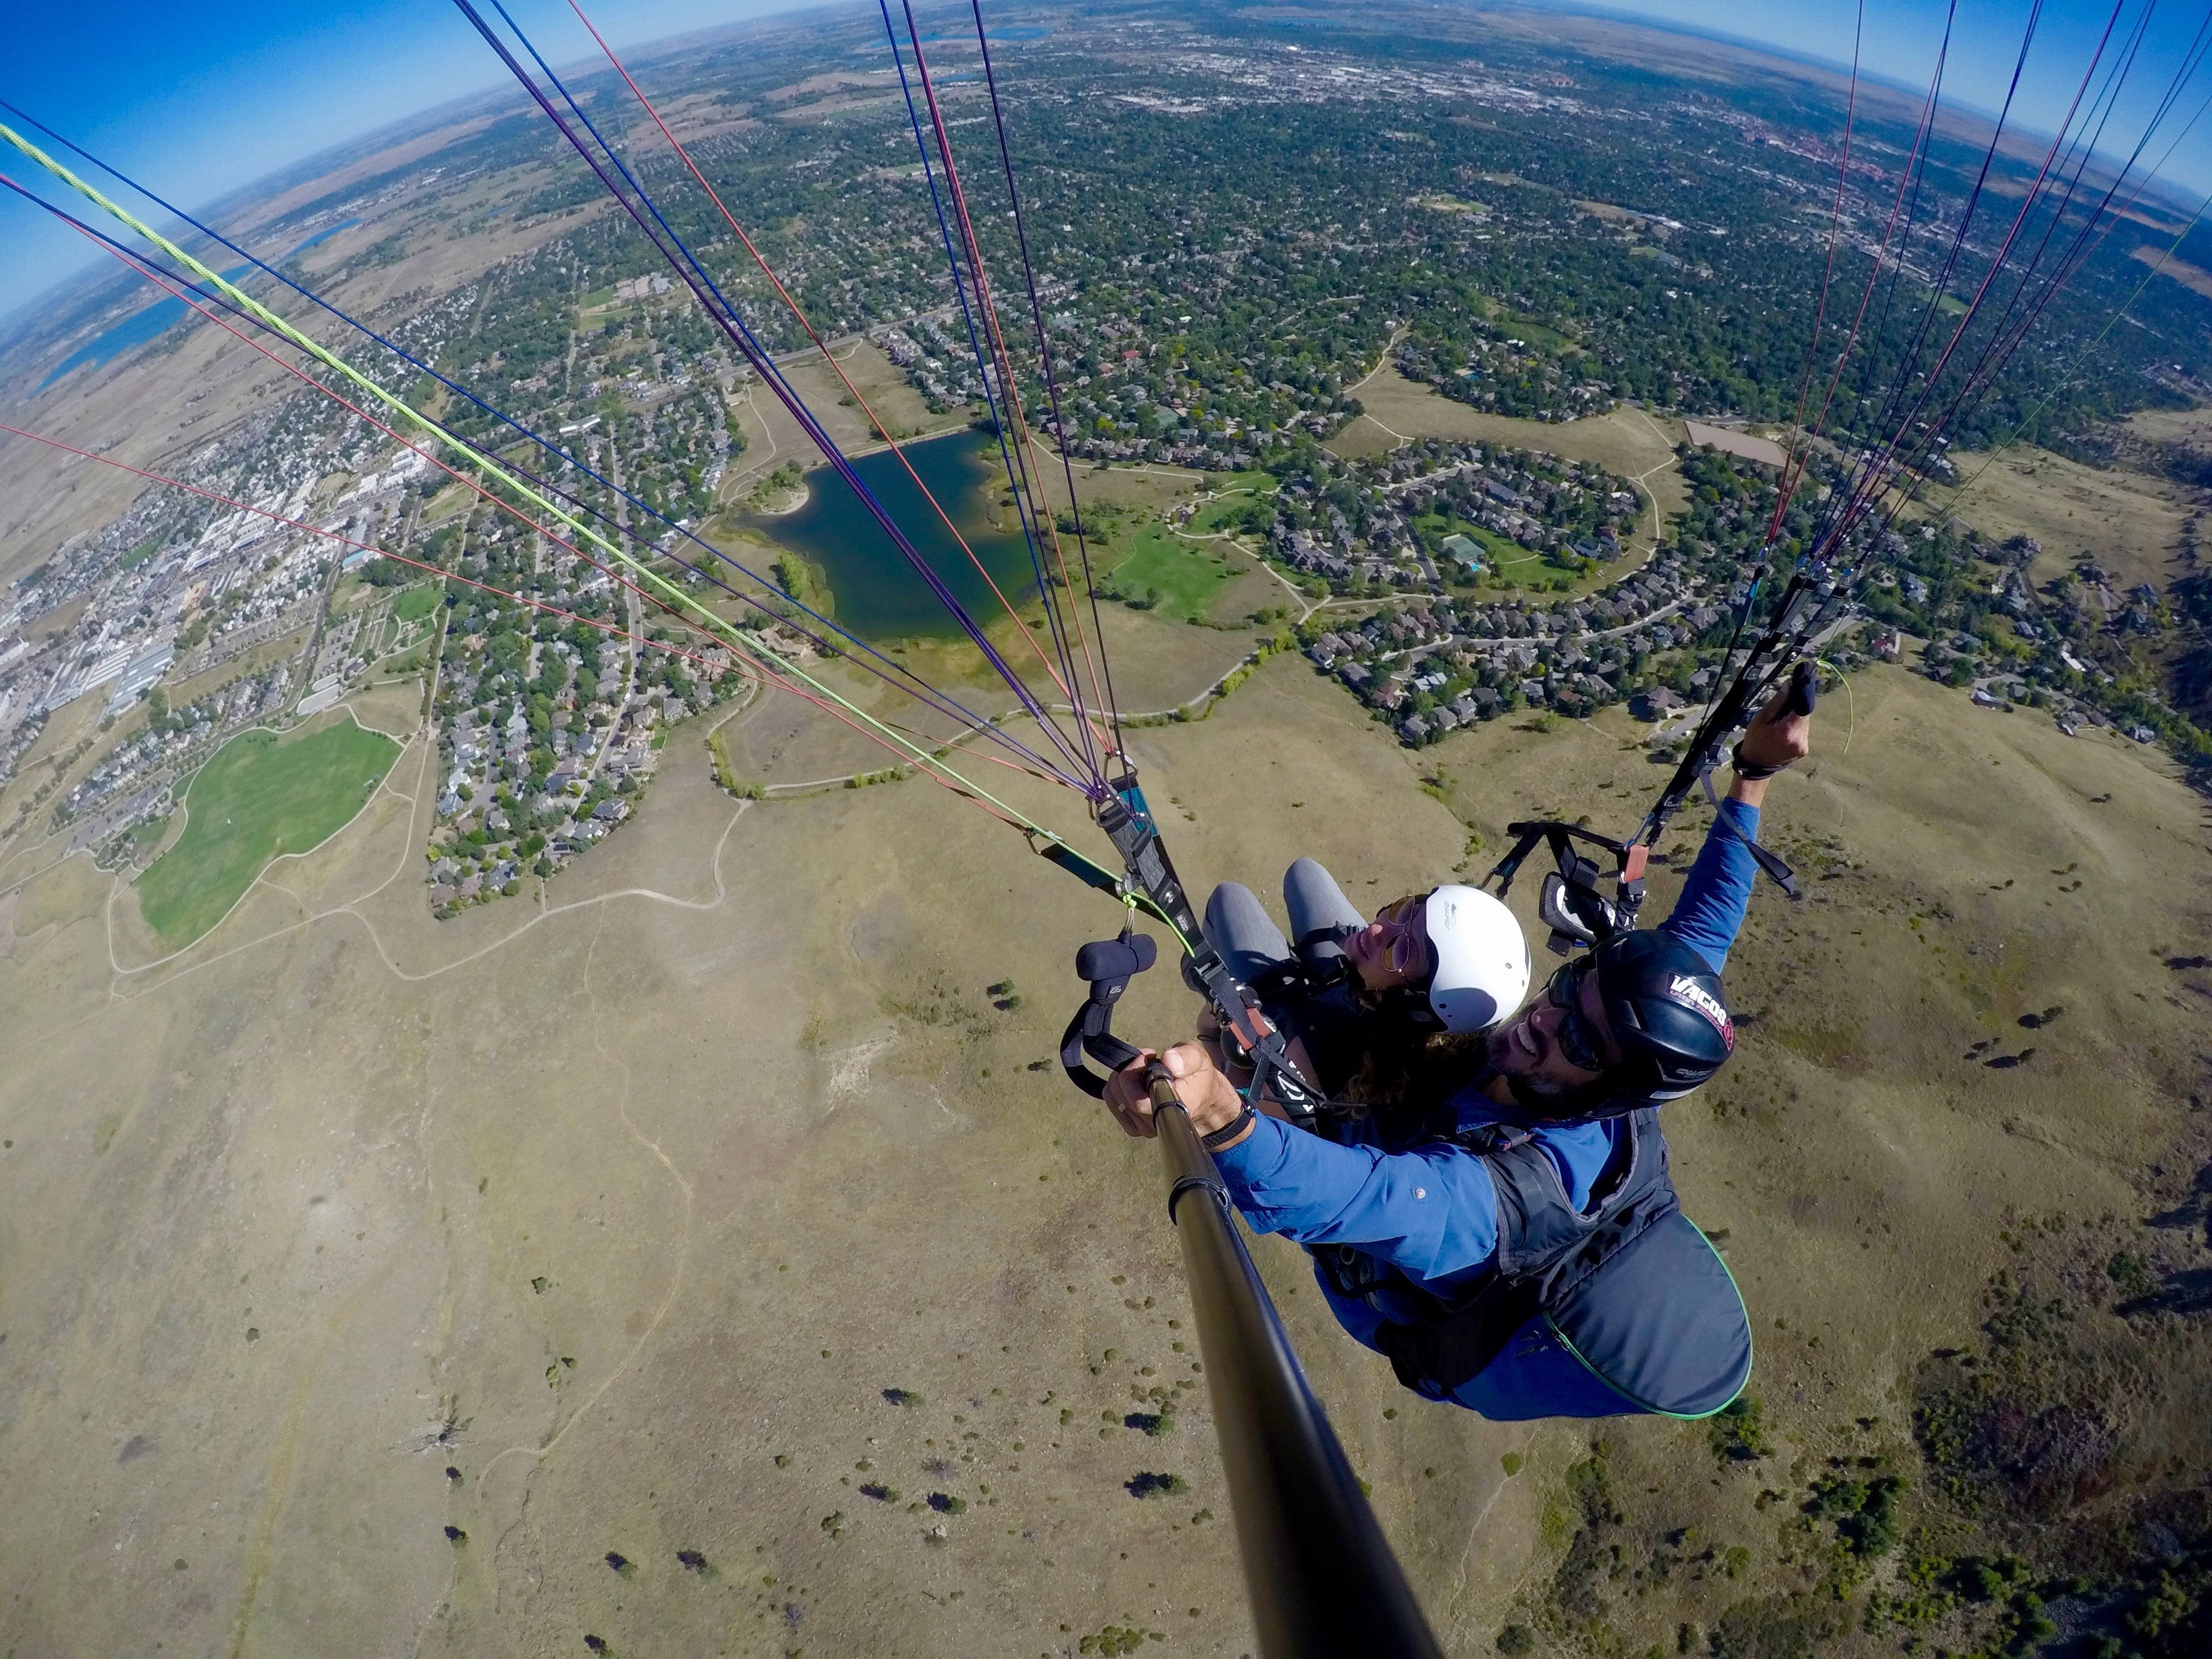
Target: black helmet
[[1663, 1001]]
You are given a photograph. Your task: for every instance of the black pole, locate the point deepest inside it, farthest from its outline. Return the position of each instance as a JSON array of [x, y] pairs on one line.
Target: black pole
[[1320, 1574]]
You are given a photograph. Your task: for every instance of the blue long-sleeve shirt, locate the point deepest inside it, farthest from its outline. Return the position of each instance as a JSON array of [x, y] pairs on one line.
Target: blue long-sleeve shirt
[[1428, 1211]]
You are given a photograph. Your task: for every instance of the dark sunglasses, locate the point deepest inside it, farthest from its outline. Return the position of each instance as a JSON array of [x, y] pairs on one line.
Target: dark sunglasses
[[1576, 1037]]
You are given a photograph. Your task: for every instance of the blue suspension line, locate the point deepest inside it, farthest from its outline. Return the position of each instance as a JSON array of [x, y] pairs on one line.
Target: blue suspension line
[[1051, 385], [974, 346], [758, 354], [929, 694]]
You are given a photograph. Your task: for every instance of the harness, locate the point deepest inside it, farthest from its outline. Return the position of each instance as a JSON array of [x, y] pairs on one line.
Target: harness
[[1630, 1286]]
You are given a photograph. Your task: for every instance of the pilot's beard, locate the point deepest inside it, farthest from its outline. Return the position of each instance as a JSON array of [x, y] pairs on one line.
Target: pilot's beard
[[1505, 1059]]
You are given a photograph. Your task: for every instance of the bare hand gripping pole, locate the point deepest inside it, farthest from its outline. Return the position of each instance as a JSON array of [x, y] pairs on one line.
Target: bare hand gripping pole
[[1127, 822], [1320, 1574]]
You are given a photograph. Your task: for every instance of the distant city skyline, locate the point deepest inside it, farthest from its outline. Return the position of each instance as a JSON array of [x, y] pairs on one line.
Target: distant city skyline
[[199, 113]]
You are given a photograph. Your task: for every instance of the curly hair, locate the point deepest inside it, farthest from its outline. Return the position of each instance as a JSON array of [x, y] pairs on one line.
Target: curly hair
[[1405, 1068]]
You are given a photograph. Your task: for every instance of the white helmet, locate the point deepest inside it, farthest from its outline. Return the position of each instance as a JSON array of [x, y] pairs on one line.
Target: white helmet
[[1482, 959]]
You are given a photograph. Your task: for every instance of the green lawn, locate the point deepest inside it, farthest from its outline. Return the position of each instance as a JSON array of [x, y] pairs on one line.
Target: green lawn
[[1181, 579], [1226, 511], [1258, 482], [1503, 550], [1497, 549], [1511, 565], [1518, 568], [417, 601], [258, 797], [1536, 333]]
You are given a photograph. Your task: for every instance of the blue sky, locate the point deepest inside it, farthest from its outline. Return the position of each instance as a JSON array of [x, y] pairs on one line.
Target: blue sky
[[1901, 38], [196, 101], [199, 101]]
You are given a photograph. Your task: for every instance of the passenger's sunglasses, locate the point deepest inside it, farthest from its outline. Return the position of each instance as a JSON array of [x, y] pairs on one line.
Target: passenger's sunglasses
[[1576, 1037], [1405, 948]]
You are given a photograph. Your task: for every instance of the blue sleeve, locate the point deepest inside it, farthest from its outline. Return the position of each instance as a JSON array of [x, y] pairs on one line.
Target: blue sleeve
[[1431, 1212], [1717, 891]]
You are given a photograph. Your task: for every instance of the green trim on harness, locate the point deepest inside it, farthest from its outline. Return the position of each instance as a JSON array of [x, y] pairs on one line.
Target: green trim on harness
[[1750, 1350]]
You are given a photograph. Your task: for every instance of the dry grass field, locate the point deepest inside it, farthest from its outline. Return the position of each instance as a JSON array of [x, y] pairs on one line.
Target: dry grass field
[[698, 1256], [627, 1205], [2195, 278], [1633, 443], [2126, 521], [2185, 426]]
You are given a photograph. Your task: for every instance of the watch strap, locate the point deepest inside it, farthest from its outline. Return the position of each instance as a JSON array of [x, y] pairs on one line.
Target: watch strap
[[1228, 1131]]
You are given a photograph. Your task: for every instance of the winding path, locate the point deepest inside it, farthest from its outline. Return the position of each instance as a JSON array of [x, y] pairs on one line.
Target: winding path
[[422, 738]]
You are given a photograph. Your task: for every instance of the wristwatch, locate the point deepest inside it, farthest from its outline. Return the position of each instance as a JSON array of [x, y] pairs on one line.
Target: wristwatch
[[1228, 1131], [1748, 773]]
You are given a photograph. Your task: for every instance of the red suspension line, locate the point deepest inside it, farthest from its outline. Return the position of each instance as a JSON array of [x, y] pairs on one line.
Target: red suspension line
[[1024, 441], [736, 661], [783, 294]]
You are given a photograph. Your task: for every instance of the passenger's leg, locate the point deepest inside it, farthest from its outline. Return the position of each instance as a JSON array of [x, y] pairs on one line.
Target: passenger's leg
[[1318, 909], [1239, 926]]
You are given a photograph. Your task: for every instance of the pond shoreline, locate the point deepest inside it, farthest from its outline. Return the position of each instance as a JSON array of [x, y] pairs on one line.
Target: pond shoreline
[[874, 591]]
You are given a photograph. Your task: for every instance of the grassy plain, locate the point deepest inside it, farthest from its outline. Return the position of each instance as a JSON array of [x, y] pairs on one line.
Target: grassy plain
[[259, 796], [2195, 278], [417, 602], [631, 1205], [1627, 441], [2126, 521], [1181, 579], [2191, 427]]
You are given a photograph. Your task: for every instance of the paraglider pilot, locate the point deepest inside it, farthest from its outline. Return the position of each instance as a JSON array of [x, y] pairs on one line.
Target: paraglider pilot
[[1496, 1218]]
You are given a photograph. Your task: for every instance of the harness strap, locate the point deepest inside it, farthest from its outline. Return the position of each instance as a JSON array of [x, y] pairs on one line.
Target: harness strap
[[1546, 1251], [1436, 1359]]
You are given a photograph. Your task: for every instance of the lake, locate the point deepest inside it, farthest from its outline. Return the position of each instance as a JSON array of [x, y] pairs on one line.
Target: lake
[[879, 596], [149, 322]]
